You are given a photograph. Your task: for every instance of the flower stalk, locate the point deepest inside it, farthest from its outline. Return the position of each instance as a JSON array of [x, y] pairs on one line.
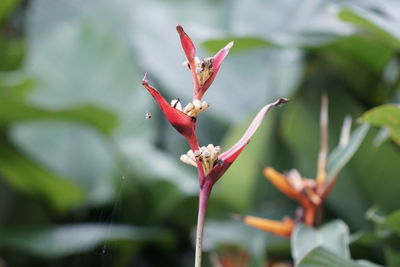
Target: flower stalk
[[204, 195]]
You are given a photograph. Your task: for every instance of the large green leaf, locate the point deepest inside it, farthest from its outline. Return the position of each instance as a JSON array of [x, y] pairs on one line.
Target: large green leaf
[[376, 171], [339, 157], [82, 62], [385, 116], [18, 111], [25, 175], [235, 234], [392, 222], [378, 24], [242, 44], [59, 241], [238, 184], [360, 49], [322, 257], [5, 7], [333, 236]]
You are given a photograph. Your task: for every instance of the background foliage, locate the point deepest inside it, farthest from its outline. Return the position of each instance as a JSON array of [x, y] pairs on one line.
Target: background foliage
[[85, 180]]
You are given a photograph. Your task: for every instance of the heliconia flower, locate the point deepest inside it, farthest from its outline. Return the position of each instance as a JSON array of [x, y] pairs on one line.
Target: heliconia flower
[[309, 193], [215, 163], [182, 122], [306, 192], [282, 228], [205, 70]]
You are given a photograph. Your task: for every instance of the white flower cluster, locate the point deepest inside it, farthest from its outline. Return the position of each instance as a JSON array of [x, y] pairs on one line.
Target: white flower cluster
[[207, 156], [192, 109]]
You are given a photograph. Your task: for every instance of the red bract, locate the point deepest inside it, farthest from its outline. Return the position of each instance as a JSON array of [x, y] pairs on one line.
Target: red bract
[[228, 157], [214, 167], [183, 123], [203, 71]]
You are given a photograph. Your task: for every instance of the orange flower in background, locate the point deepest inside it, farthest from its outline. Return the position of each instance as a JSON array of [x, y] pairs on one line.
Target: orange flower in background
[[309, 193]]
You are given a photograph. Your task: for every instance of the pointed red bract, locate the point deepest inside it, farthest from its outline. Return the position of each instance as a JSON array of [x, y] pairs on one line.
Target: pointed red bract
[[183, 123], [190, 52], [227, 158], [187, 44], [217, 61]]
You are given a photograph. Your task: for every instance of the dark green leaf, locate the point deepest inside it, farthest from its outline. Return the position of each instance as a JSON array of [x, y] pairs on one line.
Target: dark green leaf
[[16, 111], [58, 241], [385, 116], [242, 44], [392, 257], [342, 155], [376, 171], [5, 7], [362, 50], [11, 54], [383, 29]]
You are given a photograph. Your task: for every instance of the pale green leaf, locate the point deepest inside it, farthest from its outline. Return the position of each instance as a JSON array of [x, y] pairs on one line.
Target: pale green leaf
[[333, 236], [242, 44], [322, 257], [59, 241], [25, 175]]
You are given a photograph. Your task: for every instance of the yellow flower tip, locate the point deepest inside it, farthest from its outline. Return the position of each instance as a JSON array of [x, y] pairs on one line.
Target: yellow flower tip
[[270, 172], [282, 228]]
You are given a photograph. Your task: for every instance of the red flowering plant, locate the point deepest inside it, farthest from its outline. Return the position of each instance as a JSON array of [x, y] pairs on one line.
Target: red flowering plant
[[210, 161]]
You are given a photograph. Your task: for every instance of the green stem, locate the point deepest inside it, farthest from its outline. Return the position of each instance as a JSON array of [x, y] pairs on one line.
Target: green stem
[[203, 202]]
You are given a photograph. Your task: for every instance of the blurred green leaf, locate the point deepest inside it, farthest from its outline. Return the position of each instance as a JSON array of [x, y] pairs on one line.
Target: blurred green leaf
[[25, 175], [238, 184], [235, 234], [365, 238], [361, 49], [73, 150], [333, 236], [242, 44], [6, 6], [84, 61], [60, 241], [17, 111], [339, 157], [392, 222], [322, 257], [11, 54], [383, 29], [168, 168], [376, 171], [385, 116], [392, 257]]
